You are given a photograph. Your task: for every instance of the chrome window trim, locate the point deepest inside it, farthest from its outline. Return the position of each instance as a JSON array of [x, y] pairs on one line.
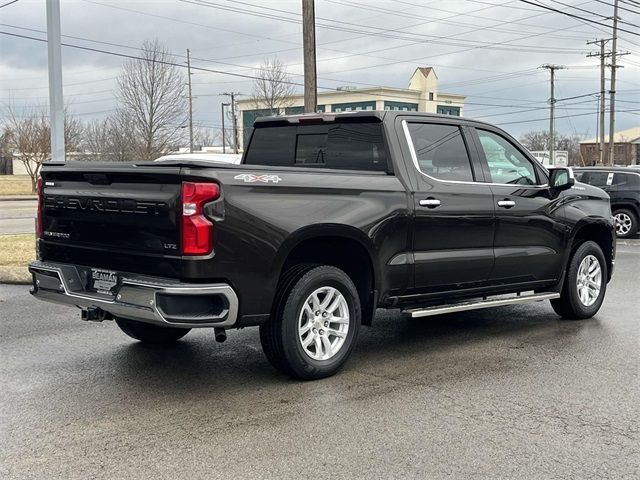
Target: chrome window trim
[[414, 158], [591, 169]]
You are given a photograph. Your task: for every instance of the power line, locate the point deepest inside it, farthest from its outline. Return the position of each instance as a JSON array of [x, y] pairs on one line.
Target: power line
[[374, 31], [577, 16], [588, 12], [8, 3], [563, 116]]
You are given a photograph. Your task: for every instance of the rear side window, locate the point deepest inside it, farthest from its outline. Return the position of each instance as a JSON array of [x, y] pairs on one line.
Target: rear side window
[[597, 179], [344, 146], [440, 151]]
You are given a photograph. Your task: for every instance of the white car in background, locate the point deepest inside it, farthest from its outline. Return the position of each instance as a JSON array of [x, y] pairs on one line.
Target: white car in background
[[233, 158]]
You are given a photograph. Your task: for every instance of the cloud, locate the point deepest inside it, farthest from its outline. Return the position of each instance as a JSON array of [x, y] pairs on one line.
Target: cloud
[[471, 44]]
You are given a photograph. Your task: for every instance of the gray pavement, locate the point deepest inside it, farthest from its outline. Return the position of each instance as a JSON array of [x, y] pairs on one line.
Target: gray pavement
[[17, 216], [512, 392]]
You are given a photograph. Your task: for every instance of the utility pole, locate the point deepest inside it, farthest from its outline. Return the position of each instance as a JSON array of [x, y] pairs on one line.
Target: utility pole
[[612, 101], [309, 49], [56, 101], [552, 69], [235, 121], [224, 142], [602, 54], [614, 67], [190, 102]]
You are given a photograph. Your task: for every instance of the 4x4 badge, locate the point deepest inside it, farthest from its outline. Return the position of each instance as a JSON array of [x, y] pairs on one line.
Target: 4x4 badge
[[251, 178]]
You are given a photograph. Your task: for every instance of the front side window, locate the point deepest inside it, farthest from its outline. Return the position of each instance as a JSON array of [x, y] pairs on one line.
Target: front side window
[[627, 181], [440, 151], [506, 164]]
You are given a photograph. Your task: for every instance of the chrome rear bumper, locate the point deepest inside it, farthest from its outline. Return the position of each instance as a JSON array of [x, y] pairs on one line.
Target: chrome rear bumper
[[137, 297]]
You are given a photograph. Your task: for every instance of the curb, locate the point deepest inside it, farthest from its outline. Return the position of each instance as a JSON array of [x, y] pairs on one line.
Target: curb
[[15, 275], [13, 198]]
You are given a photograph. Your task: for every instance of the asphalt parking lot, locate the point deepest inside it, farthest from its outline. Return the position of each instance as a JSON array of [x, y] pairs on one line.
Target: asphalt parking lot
[[512, 392]]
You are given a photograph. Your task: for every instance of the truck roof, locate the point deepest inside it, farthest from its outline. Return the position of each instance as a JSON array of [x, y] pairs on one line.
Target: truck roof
[[614, 168], [379, 115]]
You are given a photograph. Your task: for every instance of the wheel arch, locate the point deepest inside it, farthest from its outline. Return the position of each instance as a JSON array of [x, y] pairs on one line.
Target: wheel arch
[[599, 231], [342, 246], [626, 206]]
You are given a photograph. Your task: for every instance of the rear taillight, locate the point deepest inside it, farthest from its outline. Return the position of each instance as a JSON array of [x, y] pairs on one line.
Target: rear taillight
[[39, 189], [197, 230]]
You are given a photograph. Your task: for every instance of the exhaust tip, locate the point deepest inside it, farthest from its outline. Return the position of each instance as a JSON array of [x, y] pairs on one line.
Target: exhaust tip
[[221, 334]]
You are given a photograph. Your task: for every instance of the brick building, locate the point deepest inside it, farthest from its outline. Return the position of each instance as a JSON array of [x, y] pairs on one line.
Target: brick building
[[626, 148]]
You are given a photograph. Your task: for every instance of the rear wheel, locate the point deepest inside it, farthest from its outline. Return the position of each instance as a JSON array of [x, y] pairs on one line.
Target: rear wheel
[[152, 334], [315, 324], [585, 283], [626, 223]]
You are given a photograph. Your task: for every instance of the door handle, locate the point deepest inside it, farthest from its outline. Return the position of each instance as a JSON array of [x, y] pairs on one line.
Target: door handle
[[430, 202], [506, 203]]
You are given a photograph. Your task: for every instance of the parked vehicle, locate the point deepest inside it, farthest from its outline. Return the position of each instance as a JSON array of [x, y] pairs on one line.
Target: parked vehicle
[[328, 217], [623, 186], [211, 157]]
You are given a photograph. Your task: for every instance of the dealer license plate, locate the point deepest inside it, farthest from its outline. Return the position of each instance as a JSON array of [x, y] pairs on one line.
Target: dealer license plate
[[104, 281]]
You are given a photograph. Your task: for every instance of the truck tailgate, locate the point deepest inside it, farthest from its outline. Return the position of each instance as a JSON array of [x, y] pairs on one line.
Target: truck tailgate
[[119, 208]]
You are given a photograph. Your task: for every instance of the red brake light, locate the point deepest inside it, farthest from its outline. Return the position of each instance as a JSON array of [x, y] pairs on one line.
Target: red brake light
[[197, 230], [39, 189]]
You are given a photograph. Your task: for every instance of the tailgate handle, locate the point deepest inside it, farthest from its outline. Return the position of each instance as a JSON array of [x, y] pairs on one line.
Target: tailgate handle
[[97, 179]]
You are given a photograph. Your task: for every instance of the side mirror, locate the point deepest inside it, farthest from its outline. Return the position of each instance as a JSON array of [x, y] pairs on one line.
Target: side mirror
[[561, 178]]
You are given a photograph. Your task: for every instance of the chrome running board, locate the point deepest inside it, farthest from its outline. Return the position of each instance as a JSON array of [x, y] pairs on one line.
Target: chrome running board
[[476, 305]]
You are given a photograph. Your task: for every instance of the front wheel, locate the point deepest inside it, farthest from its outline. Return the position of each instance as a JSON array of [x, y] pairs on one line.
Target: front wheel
[[315, 324], [153, 334], [585, 283]]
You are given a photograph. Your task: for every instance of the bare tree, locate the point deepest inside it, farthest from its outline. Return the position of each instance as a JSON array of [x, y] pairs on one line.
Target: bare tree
[[536, 140], [151, 96], [110, 139], [272, 90], [28, 137], [203, 136], [540, 141]]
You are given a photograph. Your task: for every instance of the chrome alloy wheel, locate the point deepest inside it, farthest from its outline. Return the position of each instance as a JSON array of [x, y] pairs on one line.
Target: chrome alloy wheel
[[589, 280], [623, 223], [323, 323]]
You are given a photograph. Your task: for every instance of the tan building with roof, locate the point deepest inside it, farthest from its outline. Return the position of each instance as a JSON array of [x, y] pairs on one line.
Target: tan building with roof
[[626, 148], [422, 95]]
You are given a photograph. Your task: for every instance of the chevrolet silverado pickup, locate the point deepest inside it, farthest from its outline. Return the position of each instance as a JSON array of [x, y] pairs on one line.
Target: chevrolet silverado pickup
[[327, 218]]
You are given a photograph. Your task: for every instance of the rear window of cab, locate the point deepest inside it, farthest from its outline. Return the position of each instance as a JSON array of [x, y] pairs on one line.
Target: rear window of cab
[[344, 146]]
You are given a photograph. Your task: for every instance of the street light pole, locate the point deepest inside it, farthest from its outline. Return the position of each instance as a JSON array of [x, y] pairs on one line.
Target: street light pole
[[233, 95], [224, 142], [56, 101], [190, 102]]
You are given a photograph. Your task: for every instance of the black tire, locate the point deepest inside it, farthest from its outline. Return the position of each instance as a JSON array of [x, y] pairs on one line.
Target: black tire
[[279, 336], [569, 305], [151, 334], [632, 217]]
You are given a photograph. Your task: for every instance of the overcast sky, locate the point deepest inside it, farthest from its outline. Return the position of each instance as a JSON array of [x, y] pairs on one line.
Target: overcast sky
[[489, 50]]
